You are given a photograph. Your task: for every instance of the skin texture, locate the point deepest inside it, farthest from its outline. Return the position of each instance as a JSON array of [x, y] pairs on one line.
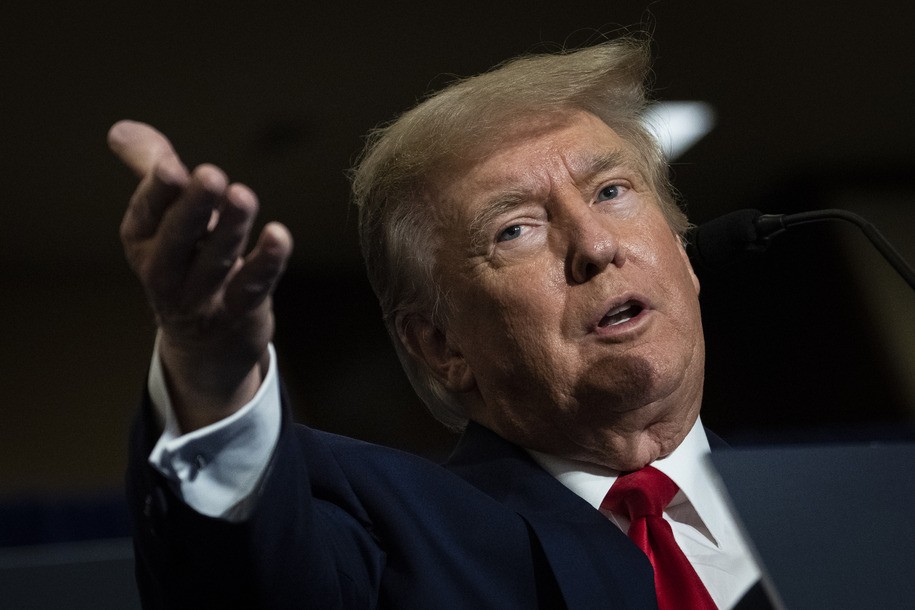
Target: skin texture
[[185, 235], [540, 239]]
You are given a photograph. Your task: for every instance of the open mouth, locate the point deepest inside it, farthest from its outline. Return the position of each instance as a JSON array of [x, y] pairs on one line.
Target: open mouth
[[620, 315]]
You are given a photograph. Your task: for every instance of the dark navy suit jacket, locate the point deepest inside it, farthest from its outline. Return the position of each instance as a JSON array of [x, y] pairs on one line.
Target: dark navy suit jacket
[[345, 524]]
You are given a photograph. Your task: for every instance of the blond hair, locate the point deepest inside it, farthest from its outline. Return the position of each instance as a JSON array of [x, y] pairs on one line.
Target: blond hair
[[394, 181]]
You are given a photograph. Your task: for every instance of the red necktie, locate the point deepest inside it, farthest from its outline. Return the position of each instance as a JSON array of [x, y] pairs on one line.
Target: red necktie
[[642, 496]]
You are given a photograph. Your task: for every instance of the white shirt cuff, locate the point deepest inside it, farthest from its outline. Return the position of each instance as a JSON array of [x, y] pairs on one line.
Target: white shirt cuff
[[216, 469]]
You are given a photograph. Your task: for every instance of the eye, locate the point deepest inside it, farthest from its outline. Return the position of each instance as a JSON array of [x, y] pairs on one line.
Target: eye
[[611, 191], [510, 233]]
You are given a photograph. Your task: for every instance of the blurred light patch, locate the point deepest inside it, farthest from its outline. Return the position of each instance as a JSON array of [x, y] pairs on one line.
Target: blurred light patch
[[679, 125]]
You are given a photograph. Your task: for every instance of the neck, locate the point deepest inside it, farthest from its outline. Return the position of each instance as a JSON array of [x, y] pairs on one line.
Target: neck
[[619, 440]]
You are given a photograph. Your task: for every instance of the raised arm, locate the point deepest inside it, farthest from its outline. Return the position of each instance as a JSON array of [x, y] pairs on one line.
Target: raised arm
[[185, 234]]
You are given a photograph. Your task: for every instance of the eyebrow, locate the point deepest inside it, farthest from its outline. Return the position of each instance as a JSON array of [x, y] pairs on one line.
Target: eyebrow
[[501, 203], [598, 164]]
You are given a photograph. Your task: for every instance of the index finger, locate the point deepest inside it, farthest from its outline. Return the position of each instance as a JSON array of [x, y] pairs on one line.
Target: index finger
[[139, 146]]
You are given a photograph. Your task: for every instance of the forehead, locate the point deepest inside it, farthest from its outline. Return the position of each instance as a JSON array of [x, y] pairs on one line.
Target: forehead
[[531, 156], [574, 138]]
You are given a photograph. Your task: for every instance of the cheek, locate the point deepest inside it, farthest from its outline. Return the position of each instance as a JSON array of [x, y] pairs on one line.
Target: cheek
[[519, 293], [672, 276], [517, 319], [519, 322]]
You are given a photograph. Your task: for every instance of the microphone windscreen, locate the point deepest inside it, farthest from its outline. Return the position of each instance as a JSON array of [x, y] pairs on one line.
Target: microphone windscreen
[[719, 241]]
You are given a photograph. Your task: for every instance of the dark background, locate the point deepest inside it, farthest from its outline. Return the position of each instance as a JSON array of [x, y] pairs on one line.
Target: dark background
[[812, 342]]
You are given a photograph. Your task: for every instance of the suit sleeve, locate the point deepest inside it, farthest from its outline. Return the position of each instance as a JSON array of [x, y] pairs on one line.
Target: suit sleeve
[[307, 541]]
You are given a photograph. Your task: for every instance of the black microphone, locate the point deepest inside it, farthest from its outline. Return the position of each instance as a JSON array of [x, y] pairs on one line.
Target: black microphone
[[725, 239], [718, 242]]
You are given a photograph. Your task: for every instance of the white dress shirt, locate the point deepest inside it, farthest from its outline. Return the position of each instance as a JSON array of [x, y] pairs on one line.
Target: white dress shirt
[[698, 514], [216, 470]]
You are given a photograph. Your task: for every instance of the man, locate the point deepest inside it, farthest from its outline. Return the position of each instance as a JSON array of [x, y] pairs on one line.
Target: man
[[520, 234]]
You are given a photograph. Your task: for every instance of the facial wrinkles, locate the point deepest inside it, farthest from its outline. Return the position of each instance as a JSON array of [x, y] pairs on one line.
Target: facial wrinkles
[[557, 162], [585, 224], [649, 370], [527, 325], [561, 176]]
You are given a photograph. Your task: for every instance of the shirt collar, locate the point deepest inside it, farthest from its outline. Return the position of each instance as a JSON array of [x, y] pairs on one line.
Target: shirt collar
[[687, 466]]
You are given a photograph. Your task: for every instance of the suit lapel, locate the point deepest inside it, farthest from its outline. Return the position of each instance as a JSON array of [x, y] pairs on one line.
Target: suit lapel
[[594, 563]]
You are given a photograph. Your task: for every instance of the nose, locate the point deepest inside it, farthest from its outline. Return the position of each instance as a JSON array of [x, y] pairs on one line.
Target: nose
[[593, 245]]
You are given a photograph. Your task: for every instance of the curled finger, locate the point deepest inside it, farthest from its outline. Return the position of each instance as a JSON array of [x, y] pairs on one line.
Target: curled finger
[[156, 191], [220, 251], [183, 227], [262, 269]]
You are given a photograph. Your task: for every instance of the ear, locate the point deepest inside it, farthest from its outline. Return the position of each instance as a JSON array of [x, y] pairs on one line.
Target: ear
[[681, 244], [429, 346]]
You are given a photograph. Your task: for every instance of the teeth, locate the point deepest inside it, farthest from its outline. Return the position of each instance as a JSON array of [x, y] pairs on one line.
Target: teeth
[[619, 318], [618, 315]]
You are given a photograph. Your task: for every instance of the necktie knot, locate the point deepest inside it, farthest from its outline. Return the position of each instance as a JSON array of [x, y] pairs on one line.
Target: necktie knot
[[640, 494]]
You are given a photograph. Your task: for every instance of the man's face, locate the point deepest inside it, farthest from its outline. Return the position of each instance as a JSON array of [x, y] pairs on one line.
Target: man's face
[[575, 309]]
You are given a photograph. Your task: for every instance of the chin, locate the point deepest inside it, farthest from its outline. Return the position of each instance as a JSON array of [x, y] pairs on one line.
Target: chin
[[623, 385]]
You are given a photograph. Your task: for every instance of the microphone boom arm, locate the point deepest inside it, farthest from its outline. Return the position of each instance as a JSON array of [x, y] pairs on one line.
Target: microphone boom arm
[[770, 225]]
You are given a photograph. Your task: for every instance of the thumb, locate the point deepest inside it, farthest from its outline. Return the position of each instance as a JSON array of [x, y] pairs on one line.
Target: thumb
[[139, 146]]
